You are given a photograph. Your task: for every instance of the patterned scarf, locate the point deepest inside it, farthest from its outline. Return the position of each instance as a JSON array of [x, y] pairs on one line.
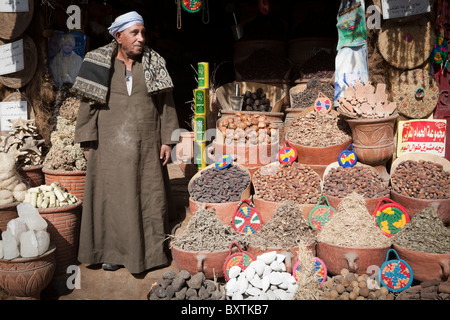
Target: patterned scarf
[[94, 78]]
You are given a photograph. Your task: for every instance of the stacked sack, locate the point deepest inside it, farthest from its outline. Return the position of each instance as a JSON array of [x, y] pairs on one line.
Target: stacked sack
[[12, 188]]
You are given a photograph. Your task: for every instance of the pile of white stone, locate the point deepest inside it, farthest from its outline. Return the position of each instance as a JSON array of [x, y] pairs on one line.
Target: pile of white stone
[[264, 279], [25, 236]]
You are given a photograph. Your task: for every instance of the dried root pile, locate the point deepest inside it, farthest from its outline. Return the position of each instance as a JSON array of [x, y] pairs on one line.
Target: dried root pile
[[287, 228], [205, 232], [353, 226]]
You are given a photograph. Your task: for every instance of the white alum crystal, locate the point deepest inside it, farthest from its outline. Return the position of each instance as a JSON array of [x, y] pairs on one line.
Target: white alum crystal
[[28, 245], [10, 246], [1, 249], [43, 240], [16, 226], [31, 216]]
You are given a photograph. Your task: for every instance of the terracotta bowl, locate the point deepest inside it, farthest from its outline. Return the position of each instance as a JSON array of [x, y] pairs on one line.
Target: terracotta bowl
[[32, 175], [267, 208], [293, 251], [426, 266], [320, 156], [224, 211], [7, 213], [208, 262], [25, 278], [357, 260], [371, 204], [414, 205]]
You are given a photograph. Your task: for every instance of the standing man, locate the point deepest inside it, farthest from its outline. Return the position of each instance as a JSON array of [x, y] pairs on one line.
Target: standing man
[[125, 120]]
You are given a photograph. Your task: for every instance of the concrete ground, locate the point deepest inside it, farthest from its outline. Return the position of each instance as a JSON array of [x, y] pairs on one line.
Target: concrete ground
[[94, 283]]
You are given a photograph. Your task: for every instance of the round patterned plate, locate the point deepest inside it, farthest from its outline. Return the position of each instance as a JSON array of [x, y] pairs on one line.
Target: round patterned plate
[[396, 275], [320, 269], [247, 219], [390, 217], [241, 259], [320, 214], [224, 162], [287, 154], [347, 158]]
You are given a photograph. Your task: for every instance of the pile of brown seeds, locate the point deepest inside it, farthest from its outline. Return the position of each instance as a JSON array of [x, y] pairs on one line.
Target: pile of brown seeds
[[296, 182], [421, 179], [318, 129], [340, 182]]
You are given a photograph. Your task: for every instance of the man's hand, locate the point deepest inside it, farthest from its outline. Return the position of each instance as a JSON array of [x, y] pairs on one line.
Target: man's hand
[[165, 153]]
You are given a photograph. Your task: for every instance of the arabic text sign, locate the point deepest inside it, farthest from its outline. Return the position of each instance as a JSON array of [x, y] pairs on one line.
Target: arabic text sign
[[14, 6], [404, 8], [11, 57], [423, 136], [11, 110]]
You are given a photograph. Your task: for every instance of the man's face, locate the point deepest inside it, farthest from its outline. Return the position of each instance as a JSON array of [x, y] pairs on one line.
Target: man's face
[[67, 47], [132, 40]]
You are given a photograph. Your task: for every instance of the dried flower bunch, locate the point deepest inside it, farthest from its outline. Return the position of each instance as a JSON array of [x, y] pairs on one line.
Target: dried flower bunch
[[24, 142]]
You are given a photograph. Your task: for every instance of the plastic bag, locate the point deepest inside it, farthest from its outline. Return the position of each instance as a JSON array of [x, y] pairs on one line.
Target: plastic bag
[[351, 24]]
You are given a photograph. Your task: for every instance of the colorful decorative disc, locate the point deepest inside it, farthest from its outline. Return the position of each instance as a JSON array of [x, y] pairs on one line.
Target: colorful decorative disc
[[224, 161], [347, 158], [192, 5], [320, 269], [246, 219], [241, 259], [287, 154], [320, 214], [396, 275], [391, 217], [264, 6], [322, 103], [440, 51]]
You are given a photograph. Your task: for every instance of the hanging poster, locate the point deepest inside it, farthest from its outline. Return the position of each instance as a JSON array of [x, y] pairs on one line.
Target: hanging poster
[[11, 57], [12, 110], [66, 51], [404, 8], [14, 6], [422, 136]]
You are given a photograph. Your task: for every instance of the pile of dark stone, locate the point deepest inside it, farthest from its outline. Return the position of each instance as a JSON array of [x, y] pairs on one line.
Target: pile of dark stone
[[184, 286]]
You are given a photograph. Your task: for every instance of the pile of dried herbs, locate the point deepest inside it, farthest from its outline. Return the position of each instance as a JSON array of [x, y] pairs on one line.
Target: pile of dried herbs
[[205, 232], [353, 226], [425, 233], [286, 229]]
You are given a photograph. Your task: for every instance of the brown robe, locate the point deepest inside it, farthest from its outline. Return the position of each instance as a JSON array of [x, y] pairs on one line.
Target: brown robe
[[125, 205]]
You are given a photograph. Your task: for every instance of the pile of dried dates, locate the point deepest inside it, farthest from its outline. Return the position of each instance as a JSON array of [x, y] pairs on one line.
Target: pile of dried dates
[[340, 182], [219, 185]]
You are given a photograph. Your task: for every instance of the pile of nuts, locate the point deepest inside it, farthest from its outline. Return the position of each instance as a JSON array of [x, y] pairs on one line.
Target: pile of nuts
[[341, 181], [317, 129], [351, 286], [219, 185], [184, 286], [295, 181], [256, 101], [245, 128], [421, 179]]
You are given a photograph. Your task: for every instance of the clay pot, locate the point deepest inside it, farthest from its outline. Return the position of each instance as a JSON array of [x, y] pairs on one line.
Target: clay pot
[[7, 213], [73, 181], [25, 278], [64, 228], [371, 203], [210, 263], [414, 205], [224, 211], [373, 139], [320, 156], [357, 260], [293, 252], [266, 208], [32, 175], [426, 266]]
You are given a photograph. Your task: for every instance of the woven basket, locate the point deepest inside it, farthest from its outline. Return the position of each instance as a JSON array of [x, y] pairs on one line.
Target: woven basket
[[14, 24], [406, 44]]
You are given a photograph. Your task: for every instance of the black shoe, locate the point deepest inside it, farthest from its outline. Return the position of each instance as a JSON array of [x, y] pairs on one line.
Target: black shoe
[[110, 266]]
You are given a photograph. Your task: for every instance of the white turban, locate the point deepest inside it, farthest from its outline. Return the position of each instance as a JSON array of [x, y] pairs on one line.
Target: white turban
[[124, 21]]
